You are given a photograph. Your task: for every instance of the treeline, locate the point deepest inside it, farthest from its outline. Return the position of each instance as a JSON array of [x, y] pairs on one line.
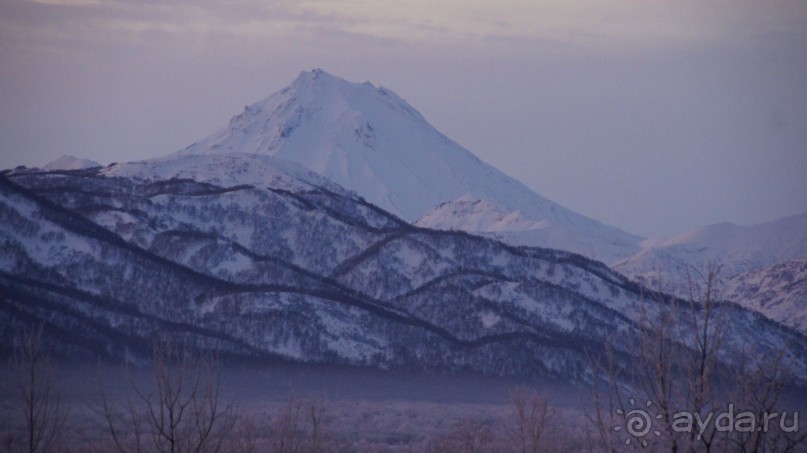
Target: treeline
[[176, 403], [180, 407]]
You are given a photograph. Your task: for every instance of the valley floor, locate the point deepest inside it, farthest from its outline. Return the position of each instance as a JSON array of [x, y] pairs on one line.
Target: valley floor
[[301, 408], [360, 409]]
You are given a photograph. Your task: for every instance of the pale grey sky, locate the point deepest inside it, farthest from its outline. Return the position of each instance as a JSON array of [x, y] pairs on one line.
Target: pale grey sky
[[651, 115]]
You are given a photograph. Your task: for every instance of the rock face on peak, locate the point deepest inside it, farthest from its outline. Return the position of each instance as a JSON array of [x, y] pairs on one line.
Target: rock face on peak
[[369, 140]]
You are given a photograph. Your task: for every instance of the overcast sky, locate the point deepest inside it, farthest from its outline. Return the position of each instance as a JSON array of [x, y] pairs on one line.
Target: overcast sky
[[654, 116]]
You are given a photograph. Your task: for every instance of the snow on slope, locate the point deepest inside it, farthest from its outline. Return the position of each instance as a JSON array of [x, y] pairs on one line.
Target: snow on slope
[[225, 170], [66, 162], [313, 276], [737, 248], [483, 217], [472, 214], [779, 292], [369, 140]]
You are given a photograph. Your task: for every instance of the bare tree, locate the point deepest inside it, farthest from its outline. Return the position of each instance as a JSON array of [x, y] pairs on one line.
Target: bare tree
[[246, 436], [761, 393], [676, 351], [123, 419], [469, 435], [304, 425], [532, 415], [607, 399], [44, 414], [288, 432], [181, 411], [679, 381]]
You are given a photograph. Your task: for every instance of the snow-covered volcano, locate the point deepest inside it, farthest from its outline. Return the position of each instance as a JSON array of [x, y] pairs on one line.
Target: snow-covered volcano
[[369, 140]]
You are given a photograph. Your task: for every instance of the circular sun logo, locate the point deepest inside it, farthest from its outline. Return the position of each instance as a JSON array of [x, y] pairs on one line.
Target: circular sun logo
[[638, 423]]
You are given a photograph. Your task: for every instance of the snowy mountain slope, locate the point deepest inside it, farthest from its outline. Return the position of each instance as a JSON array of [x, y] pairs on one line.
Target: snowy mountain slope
[[761, 266], [736, 248], [369, 140], [66, 162], [472, 214], [513, 227], [225, 169], [287, 269], [779, 292]]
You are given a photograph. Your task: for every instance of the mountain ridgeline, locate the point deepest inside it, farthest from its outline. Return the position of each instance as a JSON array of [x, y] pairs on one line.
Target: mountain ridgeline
[[281, 267]]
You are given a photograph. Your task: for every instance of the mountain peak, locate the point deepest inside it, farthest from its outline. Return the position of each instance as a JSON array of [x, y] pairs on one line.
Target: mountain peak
[[369, 140], [68, 162], [319, 76], [359, 135], [319, 81], [317, 119]]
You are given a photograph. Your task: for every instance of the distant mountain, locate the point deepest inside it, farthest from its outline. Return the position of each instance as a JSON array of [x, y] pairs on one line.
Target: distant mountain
[[779, 292], [762, 267], [257, 257], [736, 248], [66, 162], [369, 140], [485, 218]]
